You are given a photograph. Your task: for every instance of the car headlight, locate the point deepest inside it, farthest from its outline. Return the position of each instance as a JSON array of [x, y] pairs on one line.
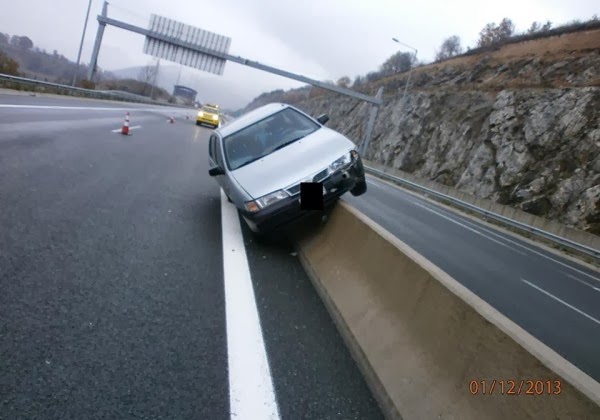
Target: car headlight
[[265, 201], [201, 114], [341, 162], [215, 117]]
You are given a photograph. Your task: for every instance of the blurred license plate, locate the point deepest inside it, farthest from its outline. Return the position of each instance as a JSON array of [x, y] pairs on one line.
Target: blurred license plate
[[324, 193]]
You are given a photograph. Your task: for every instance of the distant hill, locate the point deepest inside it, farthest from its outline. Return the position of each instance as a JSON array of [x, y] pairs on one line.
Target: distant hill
[[36, 63], [211, 88]]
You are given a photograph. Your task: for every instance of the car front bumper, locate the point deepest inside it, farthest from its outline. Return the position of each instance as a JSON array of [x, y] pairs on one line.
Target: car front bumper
[[289, 210]]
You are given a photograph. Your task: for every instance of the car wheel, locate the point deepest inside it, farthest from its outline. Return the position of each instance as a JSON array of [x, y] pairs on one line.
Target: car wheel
[[359, 189], [197, 123]]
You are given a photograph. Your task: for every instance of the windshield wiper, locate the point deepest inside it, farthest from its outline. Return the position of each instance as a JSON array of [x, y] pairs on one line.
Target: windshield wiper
[[288, 142]]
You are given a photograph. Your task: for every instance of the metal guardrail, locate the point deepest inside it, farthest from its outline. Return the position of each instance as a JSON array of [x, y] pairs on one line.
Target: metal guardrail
[[594, 253], [91, 93]]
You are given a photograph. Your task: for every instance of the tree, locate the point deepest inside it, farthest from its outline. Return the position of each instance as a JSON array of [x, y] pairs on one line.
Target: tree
[[450, 47], [538, 27], [147, 74], [493, 33], [344, 82], [4, 38], [8, 65], [25, 43], [397, 63]]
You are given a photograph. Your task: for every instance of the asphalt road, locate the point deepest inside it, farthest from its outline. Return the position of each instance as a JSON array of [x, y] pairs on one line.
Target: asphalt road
[[113, 300], [555, 299]]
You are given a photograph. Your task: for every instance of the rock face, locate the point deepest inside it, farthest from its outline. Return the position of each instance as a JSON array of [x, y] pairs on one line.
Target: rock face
[[525, 134]]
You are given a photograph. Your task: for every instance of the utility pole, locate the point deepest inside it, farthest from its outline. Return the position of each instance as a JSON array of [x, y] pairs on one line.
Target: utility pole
[[87, 15], [411, 65]]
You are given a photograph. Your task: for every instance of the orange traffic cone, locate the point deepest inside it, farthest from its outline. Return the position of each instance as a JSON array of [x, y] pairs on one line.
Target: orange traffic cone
[[125, 128]]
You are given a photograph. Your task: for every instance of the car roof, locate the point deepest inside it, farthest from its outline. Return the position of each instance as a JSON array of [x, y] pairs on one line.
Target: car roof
[[251, 117]]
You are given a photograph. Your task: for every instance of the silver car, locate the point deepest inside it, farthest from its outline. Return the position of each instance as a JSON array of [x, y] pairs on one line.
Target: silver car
[[261, 158]]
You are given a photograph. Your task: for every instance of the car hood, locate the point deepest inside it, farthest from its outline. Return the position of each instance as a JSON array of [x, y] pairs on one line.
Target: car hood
[[294, 162]]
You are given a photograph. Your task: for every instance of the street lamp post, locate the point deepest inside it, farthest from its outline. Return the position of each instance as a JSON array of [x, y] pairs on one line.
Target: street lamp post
[[81, 43], [411, 65]]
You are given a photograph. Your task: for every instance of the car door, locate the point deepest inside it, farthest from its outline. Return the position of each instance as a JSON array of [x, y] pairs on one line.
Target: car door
[[216, 159]]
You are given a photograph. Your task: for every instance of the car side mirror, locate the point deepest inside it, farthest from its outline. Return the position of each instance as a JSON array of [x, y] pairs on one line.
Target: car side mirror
[[323, 118], [217, 170]]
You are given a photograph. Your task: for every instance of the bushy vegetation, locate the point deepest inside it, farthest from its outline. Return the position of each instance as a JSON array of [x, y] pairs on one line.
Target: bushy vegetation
[[20, 57], [39, 64], [8, 65]]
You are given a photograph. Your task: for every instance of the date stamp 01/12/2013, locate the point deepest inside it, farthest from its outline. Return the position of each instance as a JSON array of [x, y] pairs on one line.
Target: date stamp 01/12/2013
[[515, 387]]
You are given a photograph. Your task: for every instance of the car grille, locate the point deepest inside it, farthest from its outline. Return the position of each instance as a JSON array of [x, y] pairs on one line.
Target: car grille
[[320, 177]]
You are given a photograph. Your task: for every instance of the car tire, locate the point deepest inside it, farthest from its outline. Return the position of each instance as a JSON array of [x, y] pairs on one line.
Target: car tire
[[197, 123], [359, 189]]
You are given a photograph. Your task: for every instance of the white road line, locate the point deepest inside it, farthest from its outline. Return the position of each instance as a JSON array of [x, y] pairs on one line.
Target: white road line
[[597, 289], [466, 227], [579, 311], [504, 238], [527, 248], [251, 392], [82, 108], [131, 128]]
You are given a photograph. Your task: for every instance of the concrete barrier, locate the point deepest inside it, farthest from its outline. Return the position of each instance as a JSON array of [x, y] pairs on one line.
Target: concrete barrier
[[551, 226], [420, 337]]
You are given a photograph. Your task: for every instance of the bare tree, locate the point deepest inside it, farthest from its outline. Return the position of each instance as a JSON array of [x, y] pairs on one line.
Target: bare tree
[[493, 33], [397, 63], [147, 74], [450, 47], [538, 27], [344, 82]]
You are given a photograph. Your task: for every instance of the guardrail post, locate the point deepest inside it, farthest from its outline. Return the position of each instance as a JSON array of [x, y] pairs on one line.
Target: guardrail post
[[97, 43], [371, 123]]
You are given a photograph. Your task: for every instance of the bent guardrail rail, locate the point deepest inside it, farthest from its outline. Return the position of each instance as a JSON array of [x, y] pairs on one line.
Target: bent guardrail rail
[[91, 93], [566, 243]]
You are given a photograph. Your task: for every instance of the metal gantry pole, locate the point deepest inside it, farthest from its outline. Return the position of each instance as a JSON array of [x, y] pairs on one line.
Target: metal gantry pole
[[99, 34], [87, 16]]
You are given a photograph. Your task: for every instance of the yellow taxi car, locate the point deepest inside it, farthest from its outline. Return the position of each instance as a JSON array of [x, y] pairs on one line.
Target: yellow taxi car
[[209, 115]]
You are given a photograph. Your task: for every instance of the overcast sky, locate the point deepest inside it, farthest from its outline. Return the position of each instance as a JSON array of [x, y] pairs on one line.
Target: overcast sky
[[322, 39]]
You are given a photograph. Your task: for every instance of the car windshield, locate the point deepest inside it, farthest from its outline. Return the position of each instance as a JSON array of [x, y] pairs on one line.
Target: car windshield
[[210, 109], [266, 136]]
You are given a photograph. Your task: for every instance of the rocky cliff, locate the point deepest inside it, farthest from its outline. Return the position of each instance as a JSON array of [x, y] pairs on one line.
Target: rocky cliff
[[519, 125]]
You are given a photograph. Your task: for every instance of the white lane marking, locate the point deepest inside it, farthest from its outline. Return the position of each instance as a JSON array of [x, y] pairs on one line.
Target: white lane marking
[[597, 289], [568, 305], [251, 392], [131, 128], [466, 227], [525, 247], [88, 108]]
